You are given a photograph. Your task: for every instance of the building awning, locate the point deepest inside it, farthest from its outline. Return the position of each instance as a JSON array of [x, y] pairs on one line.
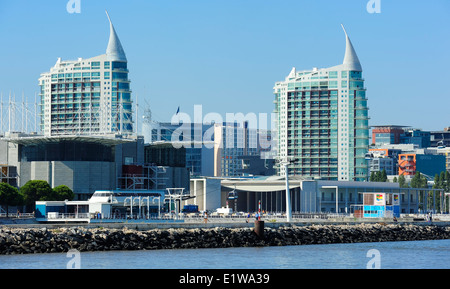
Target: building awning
[[260, 188], [271, 184], [35, 140]]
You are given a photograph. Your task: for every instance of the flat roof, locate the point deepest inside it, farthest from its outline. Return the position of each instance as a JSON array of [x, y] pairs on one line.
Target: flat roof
[[393, 126], [62, 203], [261, 184], [278, 183], [34, 140]]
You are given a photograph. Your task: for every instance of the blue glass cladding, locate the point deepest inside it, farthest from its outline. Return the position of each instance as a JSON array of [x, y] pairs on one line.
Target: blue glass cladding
[[119, 65], [41, 211], [120, 76]]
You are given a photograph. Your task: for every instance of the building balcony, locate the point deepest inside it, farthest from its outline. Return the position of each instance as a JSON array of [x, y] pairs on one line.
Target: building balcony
[[120, 70], [361, 166], [313, 146]]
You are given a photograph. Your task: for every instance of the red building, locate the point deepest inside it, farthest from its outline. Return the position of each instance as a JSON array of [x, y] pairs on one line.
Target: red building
[[387, 134]]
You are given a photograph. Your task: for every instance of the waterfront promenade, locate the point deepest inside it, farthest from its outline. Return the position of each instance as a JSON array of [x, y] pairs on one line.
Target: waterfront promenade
[[215, 233], [231, 221]]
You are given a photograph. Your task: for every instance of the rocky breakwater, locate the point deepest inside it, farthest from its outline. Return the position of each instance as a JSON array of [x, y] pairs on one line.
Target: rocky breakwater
[[27, 241]]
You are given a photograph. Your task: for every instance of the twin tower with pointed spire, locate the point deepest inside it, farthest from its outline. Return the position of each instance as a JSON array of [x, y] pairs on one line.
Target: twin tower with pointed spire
[[322, 114], [322, 121], [88, 96]]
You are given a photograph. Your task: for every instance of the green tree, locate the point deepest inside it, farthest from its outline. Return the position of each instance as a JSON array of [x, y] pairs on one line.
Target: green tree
[[402, 181], [379, 176], [36, 191], [383, 176], [419, 181], [10, 196], [440, 182], [62, 193], [395, 180], [446, 181]]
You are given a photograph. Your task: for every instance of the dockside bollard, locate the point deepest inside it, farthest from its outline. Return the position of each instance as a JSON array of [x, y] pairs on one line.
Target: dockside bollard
[[259, 229]]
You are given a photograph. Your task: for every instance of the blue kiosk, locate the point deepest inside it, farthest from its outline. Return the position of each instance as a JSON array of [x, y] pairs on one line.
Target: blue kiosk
[[381, 205]]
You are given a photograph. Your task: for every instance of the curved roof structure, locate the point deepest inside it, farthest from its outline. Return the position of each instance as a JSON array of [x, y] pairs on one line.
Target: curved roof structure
[[351, 60], [262, 184], [36, 140], [115, 50]]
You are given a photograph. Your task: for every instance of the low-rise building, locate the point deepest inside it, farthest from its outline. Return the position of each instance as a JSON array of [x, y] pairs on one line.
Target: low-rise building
[[90, 163], [429, 165], [318, 196]]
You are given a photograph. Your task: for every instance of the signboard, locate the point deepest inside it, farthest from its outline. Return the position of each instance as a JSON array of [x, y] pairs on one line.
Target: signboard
[[368, 199], [380, 199], [396, 199]]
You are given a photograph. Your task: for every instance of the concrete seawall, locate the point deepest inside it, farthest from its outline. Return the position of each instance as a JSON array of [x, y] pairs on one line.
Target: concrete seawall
[[15, 240]]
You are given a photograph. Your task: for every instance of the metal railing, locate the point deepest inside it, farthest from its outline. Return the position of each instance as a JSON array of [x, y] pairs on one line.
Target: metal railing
[[52, 216], [199, 217], [265, 216], [16, 215]]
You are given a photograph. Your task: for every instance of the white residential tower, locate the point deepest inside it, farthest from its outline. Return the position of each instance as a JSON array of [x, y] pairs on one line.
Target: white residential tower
[[323, 120], [88, 96]]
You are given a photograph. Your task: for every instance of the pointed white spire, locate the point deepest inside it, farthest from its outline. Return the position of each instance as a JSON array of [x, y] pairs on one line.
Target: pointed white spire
[[115, 50], [293, 73], [351, 61]]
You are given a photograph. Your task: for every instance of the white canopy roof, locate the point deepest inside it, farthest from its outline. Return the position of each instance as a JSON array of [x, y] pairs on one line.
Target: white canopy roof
[[270, 184]]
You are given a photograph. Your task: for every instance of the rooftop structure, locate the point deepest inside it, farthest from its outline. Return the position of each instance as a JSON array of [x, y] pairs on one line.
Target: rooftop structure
[[440, 138], [386, 134]]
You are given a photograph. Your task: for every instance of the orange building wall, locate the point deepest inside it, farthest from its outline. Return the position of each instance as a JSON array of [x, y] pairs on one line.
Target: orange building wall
[[407, 164]]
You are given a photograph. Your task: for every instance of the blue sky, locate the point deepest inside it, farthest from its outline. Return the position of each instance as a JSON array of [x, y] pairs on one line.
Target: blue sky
[[227, 55]]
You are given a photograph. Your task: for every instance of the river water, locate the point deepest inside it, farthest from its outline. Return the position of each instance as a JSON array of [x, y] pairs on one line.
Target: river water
[[385, 255]]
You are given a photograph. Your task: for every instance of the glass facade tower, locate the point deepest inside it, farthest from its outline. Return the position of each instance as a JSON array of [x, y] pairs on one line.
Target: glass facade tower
[[322, 121], [88, 96]]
